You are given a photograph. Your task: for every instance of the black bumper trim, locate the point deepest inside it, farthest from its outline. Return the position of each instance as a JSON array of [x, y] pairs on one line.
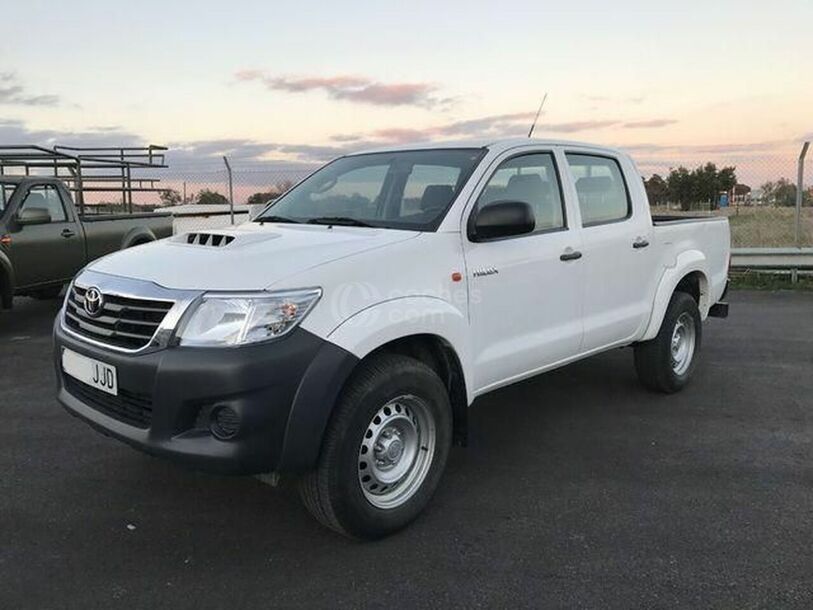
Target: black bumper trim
[[283, 392]]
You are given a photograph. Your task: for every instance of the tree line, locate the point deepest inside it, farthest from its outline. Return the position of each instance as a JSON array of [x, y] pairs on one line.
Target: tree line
[[783, 192], [688, 188], [172, 197], [703, 185]]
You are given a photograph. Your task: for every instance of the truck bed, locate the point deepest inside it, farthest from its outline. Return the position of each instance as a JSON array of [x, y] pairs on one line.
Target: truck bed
[[663, 219], [106, 233], [706, 235]]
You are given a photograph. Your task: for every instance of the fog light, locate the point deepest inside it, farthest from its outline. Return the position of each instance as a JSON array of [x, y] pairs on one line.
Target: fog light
[[224, 423]]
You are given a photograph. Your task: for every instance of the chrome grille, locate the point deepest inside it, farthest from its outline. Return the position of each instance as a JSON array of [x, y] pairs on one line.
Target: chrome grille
[[124, 322]]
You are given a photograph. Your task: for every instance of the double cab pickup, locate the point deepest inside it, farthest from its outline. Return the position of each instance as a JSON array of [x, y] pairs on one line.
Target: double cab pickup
[[341, 336]]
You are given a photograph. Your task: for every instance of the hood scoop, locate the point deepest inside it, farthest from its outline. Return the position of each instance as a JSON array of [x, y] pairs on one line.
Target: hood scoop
[[212, 240], [218, 239]]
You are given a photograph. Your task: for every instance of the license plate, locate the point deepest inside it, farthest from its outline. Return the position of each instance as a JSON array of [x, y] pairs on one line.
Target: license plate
[[92, 372]]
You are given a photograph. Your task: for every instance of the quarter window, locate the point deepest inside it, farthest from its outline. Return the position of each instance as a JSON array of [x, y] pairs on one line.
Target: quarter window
[[531, 179], [47, 198], [601, 189]]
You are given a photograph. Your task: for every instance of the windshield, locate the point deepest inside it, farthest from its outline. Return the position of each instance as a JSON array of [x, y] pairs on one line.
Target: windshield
[[6, 191], [397, 190]]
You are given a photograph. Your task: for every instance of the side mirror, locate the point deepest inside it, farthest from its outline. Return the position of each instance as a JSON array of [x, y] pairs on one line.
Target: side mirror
[[502, 219], [34, 216]]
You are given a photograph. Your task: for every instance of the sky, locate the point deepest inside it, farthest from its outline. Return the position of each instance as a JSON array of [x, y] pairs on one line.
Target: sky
[[304, 82]]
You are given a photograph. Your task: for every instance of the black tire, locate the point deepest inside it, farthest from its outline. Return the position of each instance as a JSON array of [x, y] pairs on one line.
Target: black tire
[[47, 294], [333, 492], [653, 359]]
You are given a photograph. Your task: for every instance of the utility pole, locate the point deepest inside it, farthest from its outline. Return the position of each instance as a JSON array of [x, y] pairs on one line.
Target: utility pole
[[800, 185], [231, 189]]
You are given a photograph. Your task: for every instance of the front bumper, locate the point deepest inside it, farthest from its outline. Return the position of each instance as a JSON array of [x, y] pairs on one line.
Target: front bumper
[[282, 392]]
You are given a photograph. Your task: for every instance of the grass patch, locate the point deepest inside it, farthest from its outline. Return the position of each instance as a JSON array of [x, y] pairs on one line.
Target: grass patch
[[761, 280], [761, 226]]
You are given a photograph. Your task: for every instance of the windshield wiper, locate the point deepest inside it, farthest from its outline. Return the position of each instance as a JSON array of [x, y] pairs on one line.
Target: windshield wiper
[[345, 221], [273, 218]]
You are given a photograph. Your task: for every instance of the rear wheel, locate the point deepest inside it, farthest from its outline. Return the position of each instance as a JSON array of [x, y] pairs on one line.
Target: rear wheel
[[384, 451], [666, 363]]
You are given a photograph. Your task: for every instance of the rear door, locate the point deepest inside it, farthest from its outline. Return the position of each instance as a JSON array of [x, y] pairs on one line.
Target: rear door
[[46, 252], [525, 301], [618, 265]]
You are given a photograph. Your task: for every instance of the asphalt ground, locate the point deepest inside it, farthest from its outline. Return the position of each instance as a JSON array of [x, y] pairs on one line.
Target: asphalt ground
[[578, 489]]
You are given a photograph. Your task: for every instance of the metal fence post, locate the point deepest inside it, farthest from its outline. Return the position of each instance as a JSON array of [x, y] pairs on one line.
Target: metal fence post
[[231, 189], [800, 184]]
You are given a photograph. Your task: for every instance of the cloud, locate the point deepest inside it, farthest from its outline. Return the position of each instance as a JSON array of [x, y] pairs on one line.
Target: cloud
[[207, 155], [13, 93], [649, 124], [635, 99], [575, 126], [358, 89], [762, 148], [345, 137], [496, 126], [217, 148], [17, 132], [491, 126]]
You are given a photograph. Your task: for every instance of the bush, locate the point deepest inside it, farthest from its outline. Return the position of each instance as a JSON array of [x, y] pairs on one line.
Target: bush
[[265, 197], [207, 197]]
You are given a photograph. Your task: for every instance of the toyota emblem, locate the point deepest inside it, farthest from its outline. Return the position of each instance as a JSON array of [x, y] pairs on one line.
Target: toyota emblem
[[93, 302]]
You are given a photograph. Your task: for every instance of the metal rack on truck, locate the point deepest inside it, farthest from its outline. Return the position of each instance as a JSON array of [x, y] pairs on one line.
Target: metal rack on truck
[[123, 170]]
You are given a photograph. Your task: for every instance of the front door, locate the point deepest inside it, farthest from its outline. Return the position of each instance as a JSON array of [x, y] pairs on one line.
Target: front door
[[48, 252], [525, 301]]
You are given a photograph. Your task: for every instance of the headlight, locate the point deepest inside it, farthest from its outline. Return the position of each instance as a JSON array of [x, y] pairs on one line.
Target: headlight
[[238, 319]]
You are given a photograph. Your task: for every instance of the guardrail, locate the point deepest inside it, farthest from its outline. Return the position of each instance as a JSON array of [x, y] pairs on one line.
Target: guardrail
[[773, 259]]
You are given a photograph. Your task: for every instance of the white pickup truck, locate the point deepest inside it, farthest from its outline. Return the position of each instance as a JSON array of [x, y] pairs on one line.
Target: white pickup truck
[[342, 335]]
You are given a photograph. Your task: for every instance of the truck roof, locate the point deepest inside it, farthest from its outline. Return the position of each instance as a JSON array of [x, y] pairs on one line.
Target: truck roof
[[494, 144]]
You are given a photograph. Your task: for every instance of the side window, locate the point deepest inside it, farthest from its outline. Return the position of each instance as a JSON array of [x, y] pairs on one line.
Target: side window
[[45, 197], [601, 189], [532, 179]]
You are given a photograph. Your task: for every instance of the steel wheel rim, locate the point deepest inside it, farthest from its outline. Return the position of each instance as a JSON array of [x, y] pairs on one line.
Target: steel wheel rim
[[396, 451], [682, 345]]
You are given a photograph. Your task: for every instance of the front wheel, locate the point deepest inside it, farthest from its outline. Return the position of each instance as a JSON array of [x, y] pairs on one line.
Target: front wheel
[[384, 451], [666, 363]]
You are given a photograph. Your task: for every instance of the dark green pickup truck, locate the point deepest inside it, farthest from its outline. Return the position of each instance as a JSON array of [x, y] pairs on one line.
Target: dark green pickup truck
[[45, 241]]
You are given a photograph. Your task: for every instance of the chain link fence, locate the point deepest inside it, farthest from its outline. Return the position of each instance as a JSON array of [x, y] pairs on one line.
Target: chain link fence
[[199, 196], [760, 204]]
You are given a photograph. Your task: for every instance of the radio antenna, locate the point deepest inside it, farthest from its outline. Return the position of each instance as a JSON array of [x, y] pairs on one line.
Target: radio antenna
[[538, 112]]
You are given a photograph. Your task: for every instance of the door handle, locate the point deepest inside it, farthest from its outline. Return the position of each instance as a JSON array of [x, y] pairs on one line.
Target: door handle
[[640, 243], [67, 233], [571, 256]]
